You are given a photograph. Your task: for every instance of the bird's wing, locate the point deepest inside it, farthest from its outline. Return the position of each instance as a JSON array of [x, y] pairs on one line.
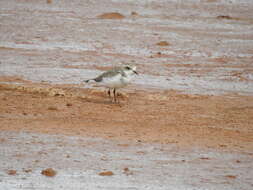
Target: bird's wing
[[107, 74]]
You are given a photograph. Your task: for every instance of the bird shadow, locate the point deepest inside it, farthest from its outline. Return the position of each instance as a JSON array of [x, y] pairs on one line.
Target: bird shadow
[[103, 101]]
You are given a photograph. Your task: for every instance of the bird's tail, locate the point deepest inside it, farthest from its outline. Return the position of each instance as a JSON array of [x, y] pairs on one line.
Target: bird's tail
[[86, 81]]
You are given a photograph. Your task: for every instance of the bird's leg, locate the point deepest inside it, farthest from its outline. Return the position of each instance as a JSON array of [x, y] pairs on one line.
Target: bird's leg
[[114, 95], [116, 100], [109, 94]]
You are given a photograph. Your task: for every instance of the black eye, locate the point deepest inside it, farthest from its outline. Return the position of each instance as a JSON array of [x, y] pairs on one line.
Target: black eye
[[128, 68]]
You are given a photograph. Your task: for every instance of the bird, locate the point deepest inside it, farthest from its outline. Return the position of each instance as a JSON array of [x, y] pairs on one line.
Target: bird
[[116, 78]]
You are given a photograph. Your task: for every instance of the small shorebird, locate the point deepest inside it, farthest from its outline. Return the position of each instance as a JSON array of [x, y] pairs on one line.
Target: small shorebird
[[116, 78]]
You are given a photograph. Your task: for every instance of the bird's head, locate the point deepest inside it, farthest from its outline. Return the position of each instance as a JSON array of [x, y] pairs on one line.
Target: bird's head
[[130, 69]]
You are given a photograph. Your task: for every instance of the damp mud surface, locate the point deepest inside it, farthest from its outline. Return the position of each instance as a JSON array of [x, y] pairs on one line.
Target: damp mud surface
[[165, 139], [186, 122]]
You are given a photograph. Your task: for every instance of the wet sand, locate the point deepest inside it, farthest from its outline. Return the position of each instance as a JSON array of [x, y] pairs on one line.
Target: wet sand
[[151, 140], [163, 117]]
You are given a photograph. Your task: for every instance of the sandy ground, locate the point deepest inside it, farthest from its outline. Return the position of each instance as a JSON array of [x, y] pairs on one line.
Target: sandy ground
[[78, 162], [163, 117], [186, 122], [166, 140]]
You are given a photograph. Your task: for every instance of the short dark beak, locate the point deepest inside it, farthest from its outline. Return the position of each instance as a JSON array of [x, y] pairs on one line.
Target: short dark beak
[[136, 72]]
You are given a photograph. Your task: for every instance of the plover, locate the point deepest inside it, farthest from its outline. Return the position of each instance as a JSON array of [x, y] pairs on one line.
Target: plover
[[116, 78]]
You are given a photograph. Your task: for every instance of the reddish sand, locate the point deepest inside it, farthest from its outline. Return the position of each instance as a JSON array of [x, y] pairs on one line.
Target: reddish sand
[[111, 16], [48, 172], [221, 122]]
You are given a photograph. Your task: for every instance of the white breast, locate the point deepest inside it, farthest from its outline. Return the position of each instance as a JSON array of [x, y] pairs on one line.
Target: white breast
[[113, 82], [126, 80]]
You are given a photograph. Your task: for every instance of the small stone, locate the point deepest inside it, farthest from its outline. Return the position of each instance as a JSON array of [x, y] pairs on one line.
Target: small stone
[[133, 13], [163, 43], [112, 15], [52, 108], [107, 173], [49, 172], [27, 170], [69, 104], [127, 171], [205, 158], [224, 17], [11, 172], [231, 176]]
